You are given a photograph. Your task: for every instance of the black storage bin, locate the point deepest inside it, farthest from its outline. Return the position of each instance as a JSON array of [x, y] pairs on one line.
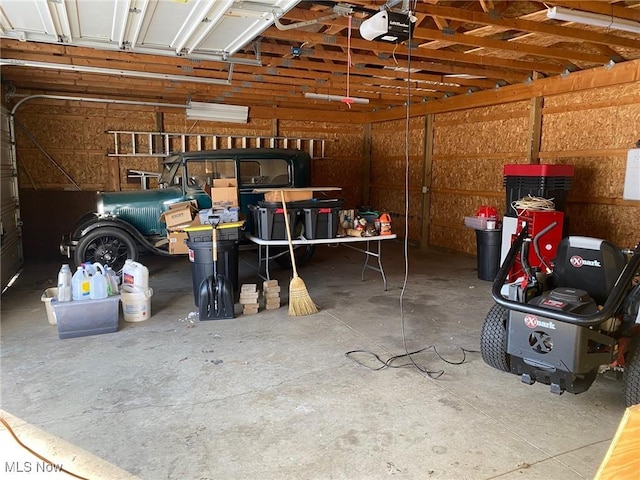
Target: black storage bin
[[488, 244], [552, 182], [267, 223], [320, 222], [201, 258]]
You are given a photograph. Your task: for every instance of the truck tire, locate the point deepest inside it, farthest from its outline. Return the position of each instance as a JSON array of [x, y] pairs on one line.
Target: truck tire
[[632, 372], [493, 339], [108, 246]]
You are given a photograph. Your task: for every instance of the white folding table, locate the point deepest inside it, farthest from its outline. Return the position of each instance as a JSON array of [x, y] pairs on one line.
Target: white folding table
[[349, 242]]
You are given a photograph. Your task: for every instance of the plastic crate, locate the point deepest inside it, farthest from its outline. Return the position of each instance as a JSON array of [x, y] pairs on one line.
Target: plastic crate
[[80, 318], [551, 182], [479, 223], [268, 223], [320, 222]]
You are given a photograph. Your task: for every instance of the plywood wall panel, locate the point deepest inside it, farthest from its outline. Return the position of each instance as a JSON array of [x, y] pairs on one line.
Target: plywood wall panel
[[470, 150], [390, 153], [595, 176], [392, 201], [478, 115], [592, 129], [499, 136], [590, 97], [617, 223], [472, 173], [392, 171]]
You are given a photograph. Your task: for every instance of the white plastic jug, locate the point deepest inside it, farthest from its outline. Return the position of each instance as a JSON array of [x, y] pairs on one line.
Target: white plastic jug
[[80, 285], [135, 277], [64, 293], [98, 284], [112, 281]]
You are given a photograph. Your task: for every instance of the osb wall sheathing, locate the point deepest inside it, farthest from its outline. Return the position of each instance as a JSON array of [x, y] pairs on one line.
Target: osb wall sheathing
[[592, 131], [470, 149], [341, 165], [388, 187], [74, 135]]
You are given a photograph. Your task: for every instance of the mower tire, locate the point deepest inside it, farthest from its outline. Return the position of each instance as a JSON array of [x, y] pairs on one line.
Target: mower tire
[[632, 372], [493, 339]]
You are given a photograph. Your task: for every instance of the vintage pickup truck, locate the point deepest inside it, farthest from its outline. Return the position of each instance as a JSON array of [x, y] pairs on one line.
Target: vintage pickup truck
[[128, 223]]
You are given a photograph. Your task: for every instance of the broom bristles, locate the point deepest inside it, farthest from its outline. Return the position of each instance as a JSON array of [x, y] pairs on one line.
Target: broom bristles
[[300, 302]]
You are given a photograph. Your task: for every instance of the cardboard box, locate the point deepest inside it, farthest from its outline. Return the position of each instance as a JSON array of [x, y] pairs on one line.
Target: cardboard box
[[176, 242], [289, 196], [178, 215], [223, 192]]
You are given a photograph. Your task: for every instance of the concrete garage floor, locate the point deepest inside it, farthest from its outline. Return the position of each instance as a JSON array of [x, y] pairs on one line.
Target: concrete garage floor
[[268, 396]]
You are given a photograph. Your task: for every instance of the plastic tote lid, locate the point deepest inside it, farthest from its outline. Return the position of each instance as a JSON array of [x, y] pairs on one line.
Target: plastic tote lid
[[488, 212]]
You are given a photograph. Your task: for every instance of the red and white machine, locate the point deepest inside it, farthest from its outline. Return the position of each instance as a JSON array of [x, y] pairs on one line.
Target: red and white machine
[[545, 227]]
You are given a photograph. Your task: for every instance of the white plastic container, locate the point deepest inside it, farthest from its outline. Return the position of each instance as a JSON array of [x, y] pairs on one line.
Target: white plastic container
[[135, 277], [98, 284], [136, 306], [112, 282], [48, 295], [64, 284], [80, 285]]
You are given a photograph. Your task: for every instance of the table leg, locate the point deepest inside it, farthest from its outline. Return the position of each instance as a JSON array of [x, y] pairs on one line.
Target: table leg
[[266, 263], [369, 253]]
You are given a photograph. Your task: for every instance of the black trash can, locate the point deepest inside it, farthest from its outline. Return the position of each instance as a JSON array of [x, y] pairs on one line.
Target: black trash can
[[201, 258], [488, 243]]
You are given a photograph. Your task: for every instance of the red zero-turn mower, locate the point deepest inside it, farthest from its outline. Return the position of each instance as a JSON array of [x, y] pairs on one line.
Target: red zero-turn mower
[[574, 318]]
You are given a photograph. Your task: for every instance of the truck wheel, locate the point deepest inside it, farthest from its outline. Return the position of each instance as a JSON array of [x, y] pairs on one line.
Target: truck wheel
[[493, 339], [107, 246], [632, 372], [303, 254]]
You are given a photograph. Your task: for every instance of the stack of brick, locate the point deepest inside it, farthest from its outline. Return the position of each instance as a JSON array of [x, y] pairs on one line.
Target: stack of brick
[[271, 294], [249, 298]]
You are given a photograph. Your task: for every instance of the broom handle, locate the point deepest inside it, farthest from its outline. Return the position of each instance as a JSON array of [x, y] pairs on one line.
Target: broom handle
[[286, 222]]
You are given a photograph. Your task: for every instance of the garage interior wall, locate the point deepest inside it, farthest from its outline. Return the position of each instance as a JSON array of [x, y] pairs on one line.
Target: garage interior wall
[[591, 129]]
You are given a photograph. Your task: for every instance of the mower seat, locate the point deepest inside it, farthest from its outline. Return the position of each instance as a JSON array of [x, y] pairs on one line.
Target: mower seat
[[588, 264]]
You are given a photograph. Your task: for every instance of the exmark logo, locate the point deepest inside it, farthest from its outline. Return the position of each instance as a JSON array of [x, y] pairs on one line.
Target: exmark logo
[[532, 321], [577, 261]]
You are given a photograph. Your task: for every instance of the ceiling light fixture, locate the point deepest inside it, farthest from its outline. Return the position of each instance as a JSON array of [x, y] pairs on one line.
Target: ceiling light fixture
[[594, 19], [217, 112], [336, 98]]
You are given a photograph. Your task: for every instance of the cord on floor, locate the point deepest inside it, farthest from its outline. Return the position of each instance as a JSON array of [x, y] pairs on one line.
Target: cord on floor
[[382, 364], [36, 454]]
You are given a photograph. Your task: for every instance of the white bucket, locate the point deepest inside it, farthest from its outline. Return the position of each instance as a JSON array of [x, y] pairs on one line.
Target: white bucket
[[47, 296], [136, 306]]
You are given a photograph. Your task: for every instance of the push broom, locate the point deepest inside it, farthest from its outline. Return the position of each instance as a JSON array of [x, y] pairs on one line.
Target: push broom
[[300, 302]]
